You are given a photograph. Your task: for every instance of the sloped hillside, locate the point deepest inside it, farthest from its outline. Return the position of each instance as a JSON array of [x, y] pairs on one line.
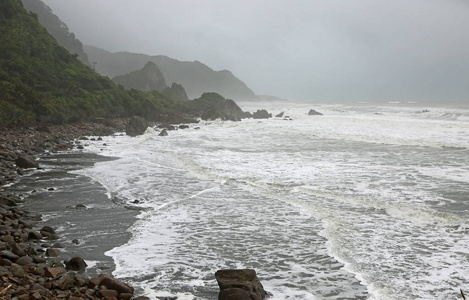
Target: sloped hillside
[[40, 81], [58, 29]]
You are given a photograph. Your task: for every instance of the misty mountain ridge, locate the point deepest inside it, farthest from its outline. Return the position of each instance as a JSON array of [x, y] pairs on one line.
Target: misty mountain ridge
[[58, 29], [195, 77]]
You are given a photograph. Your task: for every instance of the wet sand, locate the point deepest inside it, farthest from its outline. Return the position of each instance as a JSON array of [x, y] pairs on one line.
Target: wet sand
[[77, 208]]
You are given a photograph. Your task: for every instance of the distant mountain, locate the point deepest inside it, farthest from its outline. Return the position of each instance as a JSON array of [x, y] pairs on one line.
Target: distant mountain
[[57, 28], [147, 79], [195, 77]]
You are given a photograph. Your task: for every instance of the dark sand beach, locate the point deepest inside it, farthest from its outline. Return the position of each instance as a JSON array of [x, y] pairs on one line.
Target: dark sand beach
[[86, 220]]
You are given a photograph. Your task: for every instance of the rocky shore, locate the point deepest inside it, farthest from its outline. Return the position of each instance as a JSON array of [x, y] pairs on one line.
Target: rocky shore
[[52, 138], [29, 268]]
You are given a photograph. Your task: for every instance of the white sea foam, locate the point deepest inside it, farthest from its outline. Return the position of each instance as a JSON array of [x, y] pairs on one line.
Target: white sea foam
[[363, 202]]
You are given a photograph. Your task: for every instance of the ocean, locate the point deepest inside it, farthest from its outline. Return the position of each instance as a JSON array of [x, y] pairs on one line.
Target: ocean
[[367, 201]]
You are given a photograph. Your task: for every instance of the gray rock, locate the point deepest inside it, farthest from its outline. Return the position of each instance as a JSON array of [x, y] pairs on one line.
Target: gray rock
[[280, 115], [8, 255], [239, 284], [136, 126], [261, 114], [76, 264], [25, 260], [25, 162], [312, 112]]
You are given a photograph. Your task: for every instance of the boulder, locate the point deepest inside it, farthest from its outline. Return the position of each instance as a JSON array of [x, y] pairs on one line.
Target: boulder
[[280, 115], [48, 229], [163, 133], [111, 283], [25, 162], [65, 282], [240, 284], [312, 112], [136, 126], [52, 252], [76, 264], [261, 114]]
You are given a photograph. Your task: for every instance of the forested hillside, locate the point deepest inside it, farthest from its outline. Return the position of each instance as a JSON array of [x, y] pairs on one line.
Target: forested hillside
[[41, 81], [58, 29]]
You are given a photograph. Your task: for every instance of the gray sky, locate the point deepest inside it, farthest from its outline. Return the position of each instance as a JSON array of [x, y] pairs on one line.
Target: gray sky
[[318, 50]]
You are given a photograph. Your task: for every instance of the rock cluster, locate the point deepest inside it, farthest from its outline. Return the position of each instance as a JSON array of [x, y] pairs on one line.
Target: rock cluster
[[17, 146], [28, 269]]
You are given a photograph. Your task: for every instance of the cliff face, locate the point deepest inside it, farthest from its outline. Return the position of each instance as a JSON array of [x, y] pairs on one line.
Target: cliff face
[[57, 28], [196, 77], [147, 79]]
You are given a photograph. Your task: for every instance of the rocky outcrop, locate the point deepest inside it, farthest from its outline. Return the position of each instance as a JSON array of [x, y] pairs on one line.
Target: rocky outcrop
[[230, 108], [136, 126], [261, 114], [213, 106], [239, 285], [176, 91], [312, 112], [147, 79]]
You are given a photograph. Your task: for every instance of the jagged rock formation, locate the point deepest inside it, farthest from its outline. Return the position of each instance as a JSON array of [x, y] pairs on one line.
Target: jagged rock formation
[[57, 28], [176, 91], [196, 77], [211, 106], [262, 114], [147, 79]]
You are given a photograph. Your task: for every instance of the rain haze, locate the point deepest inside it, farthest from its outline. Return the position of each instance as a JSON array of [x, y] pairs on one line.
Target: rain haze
[[319, 51]]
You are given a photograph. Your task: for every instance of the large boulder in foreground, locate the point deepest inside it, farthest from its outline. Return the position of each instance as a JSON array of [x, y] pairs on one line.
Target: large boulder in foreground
[[136, 126], [239, 285], [25, 162]]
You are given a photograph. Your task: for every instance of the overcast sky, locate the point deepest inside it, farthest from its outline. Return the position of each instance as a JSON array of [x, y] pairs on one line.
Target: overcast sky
[[318, 50]]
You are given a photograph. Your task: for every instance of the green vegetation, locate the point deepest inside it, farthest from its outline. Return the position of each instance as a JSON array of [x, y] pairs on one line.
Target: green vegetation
[[58, 29], [40, 81]]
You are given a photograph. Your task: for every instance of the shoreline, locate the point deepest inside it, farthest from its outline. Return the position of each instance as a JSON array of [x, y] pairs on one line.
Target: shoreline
[[81, 216]]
